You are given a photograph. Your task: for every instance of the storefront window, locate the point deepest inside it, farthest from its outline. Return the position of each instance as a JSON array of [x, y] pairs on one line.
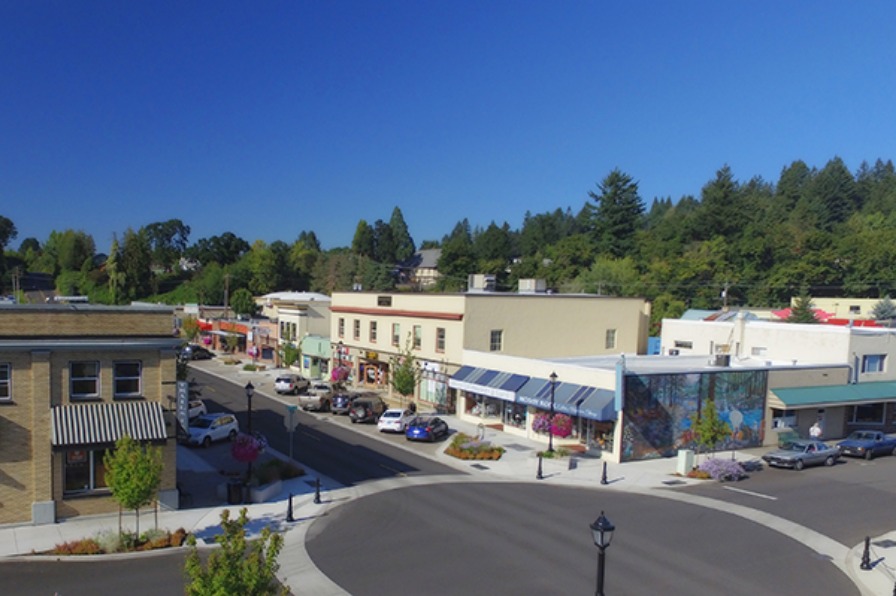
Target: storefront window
[[868, 414], [515, 415], [487, 407], [84, 470]]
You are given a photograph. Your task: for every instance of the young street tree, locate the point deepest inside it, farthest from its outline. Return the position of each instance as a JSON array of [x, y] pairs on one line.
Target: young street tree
[[709, 428], [238, 567], [133, 473], [405, 373]]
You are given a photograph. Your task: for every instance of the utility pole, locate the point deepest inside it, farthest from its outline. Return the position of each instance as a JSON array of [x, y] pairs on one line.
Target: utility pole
[[226, 293]]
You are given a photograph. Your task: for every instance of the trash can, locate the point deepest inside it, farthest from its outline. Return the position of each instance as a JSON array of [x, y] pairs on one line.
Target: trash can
[[234, 492]]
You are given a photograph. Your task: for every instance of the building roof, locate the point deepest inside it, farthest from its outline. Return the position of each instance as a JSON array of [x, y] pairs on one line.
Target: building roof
[[297, 297], [834, 395], [681, 364]]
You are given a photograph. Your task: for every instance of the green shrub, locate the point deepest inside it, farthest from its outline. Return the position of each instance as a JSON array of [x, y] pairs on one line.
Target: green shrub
[[109, 541]]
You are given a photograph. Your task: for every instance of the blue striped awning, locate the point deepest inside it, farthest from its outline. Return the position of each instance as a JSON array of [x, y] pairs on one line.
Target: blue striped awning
[[485, 381], [101, 423], [570, 398]]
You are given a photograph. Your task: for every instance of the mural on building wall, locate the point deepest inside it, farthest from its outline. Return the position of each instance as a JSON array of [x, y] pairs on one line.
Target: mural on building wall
[[660, 410]]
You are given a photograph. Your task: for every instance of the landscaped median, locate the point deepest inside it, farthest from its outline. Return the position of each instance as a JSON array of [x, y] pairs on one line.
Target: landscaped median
[[463, 446]]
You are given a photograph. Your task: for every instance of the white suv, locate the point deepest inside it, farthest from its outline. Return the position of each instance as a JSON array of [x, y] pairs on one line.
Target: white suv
[[212, 427]]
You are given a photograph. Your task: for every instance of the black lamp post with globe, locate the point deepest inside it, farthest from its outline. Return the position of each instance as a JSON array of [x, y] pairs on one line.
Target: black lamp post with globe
[[602, 532]]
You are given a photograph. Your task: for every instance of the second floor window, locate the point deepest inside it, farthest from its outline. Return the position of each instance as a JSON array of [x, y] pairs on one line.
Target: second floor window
[[496, 340], [610, 343], [126, 379], [440, 339], [373, 332], [84, 382], [5, 389], [418, 337], [341, 329], [873, 363], [396, 334], [356, 330]]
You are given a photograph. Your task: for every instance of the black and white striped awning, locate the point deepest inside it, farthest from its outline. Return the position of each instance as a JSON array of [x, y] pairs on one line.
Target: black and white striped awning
[[100, 423]]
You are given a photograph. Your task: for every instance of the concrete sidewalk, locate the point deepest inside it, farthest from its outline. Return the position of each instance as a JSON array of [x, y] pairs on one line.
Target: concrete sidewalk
[[519, 463]]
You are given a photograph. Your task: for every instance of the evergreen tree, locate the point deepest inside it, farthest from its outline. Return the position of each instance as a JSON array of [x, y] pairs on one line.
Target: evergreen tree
[[619, 214], [721, 211], [404, 244], [364, 241], [801, 312], [384, 243], [884, 311], [834, 194], [116, 276]]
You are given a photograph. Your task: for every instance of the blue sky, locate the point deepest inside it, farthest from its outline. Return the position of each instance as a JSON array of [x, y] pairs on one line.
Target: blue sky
[[269, 118]]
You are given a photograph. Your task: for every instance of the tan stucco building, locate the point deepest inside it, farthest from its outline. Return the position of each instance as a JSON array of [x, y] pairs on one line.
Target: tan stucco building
[[373, 329]]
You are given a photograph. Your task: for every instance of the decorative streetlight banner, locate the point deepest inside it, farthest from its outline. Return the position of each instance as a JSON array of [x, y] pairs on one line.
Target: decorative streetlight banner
[[183, 403]]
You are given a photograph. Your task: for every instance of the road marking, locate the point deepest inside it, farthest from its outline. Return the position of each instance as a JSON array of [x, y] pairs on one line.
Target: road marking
[[751, 493]]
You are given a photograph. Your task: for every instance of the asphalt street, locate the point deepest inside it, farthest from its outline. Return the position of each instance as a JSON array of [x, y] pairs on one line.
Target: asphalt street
[[509, 538]]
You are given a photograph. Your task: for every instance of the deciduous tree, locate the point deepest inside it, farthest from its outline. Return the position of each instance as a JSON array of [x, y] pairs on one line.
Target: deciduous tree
[[133, 474]]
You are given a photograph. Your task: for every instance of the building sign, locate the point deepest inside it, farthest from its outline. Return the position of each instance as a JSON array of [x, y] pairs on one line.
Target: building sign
[[372, 355], [183, 403]]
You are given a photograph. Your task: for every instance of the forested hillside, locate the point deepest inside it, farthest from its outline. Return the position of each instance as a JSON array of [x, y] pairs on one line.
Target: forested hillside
[[820, 232]]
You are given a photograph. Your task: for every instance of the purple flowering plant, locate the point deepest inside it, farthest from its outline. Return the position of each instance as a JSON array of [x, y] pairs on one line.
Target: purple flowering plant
[[723, 469]]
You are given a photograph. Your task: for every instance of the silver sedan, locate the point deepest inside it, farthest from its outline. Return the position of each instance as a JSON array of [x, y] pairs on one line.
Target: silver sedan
[[801, 453]]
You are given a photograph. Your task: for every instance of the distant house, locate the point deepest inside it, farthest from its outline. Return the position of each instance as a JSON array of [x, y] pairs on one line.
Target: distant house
[[421, 270]]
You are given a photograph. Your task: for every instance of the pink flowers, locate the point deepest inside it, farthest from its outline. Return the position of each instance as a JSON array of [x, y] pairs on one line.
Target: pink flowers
[[339, 374], [247, 448], [559, 426]]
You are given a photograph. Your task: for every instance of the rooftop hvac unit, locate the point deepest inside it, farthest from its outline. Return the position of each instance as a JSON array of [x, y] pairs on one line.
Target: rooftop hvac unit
[[532, 286], [722, 360], [481, 282], [674, 352]]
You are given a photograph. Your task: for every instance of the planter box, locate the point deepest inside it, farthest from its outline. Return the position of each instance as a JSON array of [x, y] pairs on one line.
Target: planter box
[[257, 494], [264, 493]]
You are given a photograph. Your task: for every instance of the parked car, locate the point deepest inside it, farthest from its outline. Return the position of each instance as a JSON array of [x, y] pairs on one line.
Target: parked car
[[206, 429], [366, 409], [341, 403], [290, 383], [801, 453], [426, 428], [394, 420], [196, 408], [197, 352], [316, 397], [867, 444]]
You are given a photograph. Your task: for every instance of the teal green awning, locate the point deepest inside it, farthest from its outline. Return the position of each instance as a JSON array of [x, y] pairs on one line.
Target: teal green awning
[[837, 395]]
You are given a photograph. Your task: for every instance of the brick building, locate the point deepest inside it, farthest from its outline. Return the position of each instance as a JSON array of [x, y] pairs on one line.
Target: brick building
[[74, 379]]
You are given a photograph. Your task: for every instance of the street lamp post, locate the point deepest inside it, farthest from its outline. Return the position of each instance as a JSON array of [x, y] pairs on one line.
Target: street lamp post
[[339, 347], [602, 532], [250, 391], [551, 419]]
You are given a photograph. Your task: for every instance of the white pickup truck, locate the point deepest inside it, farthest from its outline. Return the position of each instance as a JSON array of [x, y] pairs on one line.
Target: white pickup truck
[[316, 397]]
